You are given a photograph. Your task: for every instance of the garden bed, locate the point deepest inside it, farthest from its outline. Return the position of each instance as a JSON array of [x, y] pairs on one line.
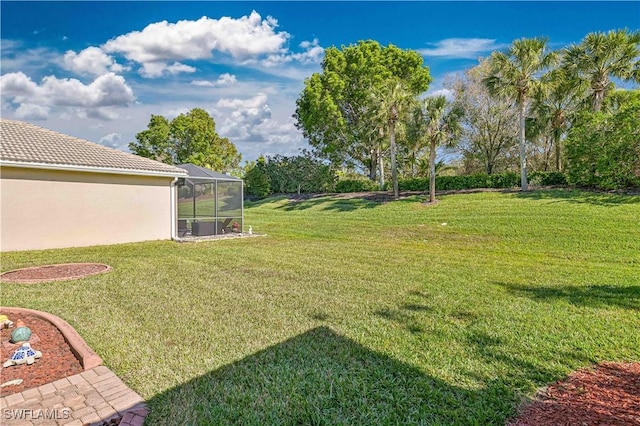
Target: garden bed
[[47, 273], [57, 362]]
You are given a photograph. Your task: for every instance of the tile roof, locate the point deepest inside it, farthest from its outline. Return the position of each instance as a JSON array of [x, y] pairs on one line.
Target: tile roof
[[203, 173], [27, 143]]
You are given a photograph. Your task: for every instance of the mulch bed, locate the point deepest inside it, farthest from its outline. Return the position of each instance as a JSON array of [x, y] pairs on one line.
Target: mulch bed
[[66, 271], [608, 394], [57, 360]]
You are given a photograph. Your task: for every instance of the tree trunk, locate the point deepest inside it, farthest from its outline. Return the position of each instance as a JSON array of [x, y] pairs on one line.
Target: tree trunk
[[394, 168], [414, 171], [548, 146], [432, 171], [372, 172], [598, 98], [381, 168], [523, 149], [373, 163], [556, 141]]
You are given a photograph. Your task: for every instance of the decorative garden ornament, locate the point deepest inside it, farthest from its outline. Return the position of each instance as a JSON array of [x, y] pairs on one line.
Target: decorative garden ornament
[[23, 355], [5, 322], [14, 382], [22, 333]]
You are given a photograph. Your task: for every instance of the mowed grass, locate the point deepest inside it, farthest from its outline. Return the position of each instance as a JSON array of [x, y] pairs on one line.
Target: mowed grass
[[356, 312]]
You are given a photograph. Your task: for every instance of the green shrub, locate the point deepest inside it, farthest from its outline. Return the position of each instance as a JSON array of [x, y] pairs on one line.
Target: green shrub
[[257, 183], [504, 180], [603, 149], [455, 183], [414, 184], [501, 180], [356, 185], [548, 178]]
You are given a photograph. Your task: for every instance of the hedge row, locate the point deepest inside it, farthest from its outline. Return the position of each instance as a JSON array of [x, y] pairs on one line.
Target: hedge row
[[444, 183], [548, 178], [357, 185]]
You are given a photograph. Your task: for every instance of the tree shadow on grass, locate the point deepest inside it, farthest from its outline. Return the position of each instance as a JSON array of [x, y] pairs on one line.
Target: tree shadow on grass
[[320, 377], [581, 197], [331, 204], [408, 315], [307, 201], [593, 296], [337, 201], [525, 368]]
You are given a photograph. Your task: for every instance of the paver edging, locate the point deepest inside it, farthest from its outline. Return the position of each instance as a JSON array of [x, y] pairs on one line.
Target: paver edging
[[87, 357]]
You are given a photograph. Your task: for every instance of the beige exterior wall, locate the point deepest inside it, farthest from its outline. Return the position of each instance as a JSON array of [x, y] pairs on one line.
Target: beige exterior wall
[[42, 209]]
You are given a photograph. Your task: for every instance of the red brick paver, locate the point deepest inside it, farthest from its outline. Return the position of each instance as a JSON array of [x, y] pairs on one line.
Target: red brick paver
[[91, 397]]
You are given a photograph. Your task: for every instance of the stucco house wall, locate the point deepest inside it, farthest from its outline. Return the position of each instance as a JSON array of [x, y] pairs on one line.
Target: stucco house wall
[[41, 209], [60, 191]]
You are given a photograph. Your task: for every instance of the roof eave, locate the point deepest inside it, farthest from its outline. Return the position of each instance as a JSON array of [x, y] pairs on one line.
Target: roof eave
[[90, 169], [229, 179]]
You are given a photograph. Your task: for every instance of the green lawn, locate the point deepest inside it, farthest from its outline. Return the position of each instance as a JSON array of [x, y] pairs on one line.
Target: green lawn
[[354, 312]]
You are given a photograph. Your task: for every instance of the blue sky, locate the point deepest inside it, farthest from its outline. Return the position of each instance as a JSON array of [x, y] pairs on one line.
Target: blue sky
[[98, 70]]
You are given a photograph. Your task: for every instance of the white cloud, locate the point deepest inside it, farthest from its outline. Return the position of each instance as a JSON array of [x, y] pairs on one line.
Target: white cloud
[[112, 140], [91, 60], [15, 57], [93, 99], [466, 48], [157, 69], [312, 54], [174, 112], [257, 101], [251, 124], [9, 45], [225, 79], [241, 116], [161, 43], [442, 92], [250, 116], [106, 90], [17, 84], [202, 83], [103, 114], [32, 112]]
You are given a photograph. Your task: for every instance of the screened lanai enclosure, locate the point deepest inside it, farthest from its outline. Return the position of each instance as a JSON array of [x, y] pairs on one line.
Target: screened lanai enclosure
[[209, 203]]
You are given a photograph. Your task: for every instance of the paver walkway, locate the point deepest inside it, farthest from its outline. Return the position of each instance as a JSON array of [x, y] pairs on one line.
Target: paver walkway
[[92, 397]]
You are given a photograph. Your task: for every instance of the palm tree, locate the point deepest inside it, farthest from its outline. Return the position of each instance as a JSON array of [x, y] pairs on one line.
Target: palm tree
[[390, 102], [556, 104], [601, 56], [441, 126], [514, 75], [373, 132]]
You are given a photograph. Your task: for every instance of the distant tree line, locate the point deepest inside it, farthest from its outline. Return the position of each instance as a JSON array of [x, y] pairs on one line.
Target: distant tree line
[[548, 116], [289, 175], [527, 109]]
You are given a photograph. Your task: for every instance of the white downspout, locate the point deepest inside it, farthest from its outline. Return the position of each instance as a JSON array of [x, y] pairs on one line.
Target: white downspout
[[174, 209]]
